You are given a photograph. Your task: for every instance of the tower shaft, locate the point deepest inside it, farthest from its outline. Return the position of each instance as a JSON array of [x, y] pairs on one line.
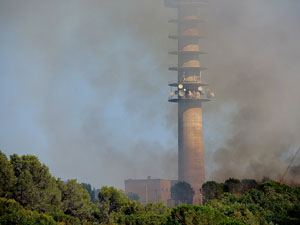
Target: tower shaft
[[189, 94], [190, 145]]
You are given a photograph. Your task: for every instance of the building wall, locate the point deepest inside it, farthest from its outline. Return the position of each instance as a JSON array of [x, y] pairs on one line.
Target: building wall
[[150, 190]]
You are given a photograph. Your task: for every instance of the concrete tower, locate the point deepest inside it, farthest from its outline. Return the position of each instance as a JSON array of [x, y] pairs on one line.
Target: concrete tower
[[189, 92]]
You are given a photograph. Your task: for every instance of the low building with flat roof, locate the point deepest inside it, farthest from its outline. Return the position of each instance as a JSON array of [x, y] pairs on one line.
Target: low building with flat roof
[[150, 190]]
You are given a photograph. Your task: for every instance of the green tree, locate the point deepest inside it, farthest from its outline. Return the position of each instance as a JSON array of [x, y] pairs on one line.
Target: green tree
[[190, 215], [12, 213], [296, 210], [182, 192], [133, 196], [157, 208], [35, 188], [141, 219], [135, 213], [91, 191], [212, 190], [132, 207], [270, 202], [111, 200], [280, 202], [7, 177], [248, 184], [76, 200], [64, 219], [245, 211], [233, 186]]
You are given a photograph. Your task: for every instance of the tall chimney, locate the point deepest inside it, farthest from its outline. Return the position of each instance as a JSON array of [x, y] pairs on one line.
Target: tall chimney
[[189, 92]]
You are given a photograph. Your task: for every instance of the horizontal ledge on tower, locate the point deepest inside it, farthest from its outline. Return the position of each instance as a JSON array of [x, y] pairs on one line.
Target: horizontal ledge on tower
[[188, 83], [186, 20], [174, 52], [176, 68], [185, 36], [179, 3], [191, 100]]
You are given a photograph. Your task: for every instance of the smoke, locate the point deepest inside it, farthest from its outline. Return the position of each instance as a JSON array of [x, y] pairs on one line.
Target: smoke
[[90, 78], [255, 57], [94, 75]]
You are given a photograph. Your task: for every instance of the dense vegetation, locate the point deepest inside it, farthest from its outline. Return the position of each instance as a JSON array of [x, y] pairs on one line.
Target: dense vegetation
[[182, 193], [267, 202], [29, 194]]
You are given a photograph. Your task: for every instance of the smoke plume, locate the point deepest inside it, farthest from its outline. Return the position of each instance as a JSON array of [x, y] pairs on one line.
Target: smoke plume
[[254, 66]]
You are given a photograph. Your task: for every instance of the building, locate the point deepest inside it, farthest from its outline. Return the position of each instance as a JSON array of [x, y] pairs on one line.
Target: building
[[150, 190]]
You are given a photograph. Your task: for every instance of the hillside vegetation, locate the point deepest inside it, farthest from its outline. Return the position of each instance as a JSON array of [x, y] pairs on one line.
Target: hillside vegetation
[[29, 194]]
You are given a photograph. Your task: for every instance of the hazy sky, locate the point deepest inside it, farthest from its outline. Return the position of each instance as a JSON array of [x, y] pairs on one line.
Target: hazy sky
[[83, 86]]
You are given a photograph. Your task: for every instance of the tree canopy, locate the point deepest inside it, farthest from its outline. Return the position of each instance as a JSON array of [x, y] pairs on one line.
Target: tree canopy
[[7, 177], [212, 190], [76, 200], [92, 192], [182, 192], [12, 213], [133, 196], [111, 200], [29, 194], [190, 215], [257, 203], [35, 188], [29, 182]]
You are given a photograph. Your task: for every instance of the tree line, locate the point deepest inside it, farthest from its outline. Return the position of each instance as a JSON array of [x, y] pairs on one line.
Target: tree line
[[29, 194], [252, 202]]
